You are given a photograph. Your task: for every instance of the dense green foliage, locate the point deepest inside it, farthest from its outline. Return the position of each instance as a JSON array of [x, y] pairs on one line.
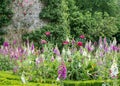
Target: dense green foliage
[[5, 63], [5, 16], [73, 18]]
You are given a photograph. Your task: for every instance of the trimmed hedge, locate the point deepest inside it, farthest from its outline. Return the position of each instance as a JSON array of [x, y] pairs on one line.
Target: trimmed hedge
[[9, 79]]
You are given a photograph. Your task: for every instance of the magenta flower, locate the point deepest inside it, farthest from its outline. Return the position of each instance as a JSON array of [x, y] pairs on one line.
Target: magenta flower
[[80, 44], [5, 44], [62, 71]]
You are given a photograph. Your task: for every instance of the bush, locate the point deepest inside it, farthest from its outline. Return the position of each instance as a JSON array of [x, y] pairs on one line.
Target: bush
[[5, 16], [5, 63], [57, 35]]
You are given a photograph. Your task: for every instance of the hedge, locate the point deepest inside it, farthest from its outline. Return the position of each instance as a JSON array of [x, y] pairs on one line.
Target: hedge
[[9, 79]]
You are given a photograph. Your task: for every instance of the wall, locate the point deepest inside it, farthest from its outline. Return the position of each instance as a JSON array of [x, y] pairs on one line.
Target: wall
[[26, 14]]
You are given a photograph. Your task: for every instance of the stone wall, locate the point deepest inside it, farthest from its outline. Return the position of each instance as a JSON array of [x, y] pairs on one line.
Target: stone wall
[[26, 14]]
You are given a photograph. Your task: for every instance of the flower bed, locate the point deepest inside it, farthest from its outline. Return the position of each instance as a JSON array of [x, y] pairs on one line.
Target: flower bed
[[77, 61]]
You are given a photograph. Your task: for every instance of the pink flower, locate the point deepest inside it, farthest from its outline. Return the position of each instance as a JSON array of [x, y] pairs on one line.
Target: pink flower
[[47, 33], [65, 42], [43, 41], [79, 43], [82, 36], [26, 1]]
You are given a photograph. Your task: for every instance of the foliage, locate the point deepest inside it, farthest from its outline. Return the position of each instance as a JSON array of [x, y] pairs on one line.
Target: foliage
[[94, 19], [5, 63], [55, 11], [56, 35], [5, 16]]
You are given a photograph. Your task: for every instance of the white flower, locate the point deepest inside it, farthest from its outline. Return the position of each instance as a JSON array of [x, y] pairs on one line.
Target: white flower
[[63, 51], [114, 70], [57, 79], [89, 56], [59, 59], [68, 52], [67, 39], [23, 79], [84, 53]]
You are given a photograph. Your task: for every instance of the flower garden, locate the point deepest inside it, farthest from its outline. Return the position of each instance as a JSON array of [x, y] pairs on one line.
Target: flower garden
[[78, 44], [93, 63]]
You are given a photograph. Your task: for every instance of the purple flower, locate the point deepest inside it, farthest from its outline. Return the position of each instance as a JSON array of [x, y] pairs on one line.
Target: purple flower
[[101, 54], [62, 71], [56, 51], [100, 43], [32, 48], [89, 46], [14, 42], [73, 42], [5, 44], [105, 41]]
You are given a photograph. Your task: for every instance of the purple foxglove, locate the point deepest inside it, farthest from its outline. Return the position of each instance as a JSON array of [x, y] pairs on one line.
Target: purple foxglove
[[62, 71], [5, 44], [32, 48], [73, 42], [56, 51]]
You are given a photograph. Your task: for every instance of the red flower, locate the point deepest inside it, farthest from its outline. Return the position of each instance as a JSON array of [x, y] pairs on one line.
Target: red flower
[[65, 42], [47, 33], [82, 36], [79, 43]]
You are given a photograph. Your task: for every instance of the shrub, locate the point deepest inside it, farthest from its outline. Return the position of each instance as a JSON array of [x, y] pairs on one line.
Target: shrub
[[5, 63], [5, 16]]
